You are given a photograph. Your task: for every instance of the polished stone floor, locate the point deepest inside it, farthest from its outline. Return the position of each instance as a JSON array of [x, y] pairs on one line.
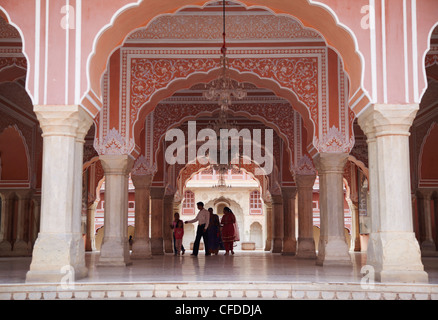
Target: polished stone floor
[[248, 267]]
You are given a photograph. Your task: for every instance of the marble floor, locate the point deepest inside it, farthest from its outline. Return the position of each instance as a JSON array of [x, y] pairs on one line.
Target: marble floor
[[243, 267]]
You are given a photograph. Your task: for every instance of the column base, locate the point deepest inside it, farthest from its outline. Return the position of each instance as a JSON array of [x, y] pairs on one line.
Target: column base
[[5, 249], [21, 249], [141, 249], [333, 252], [268, 245], [289, 247], [396, 257], [157, 246], [57, 256], [428, 249], [277, 245], [168, 246], [306, 248], [114, 253]]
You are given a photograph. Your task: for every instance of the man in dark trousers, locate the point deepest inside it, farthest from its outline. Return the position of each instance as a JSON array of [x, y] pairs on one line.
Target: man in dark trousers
[[203, 219]]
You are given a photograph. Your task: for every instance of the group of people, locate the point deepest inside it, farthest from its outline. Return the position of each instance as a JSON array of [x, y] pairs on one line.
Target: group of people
[[217, 235]]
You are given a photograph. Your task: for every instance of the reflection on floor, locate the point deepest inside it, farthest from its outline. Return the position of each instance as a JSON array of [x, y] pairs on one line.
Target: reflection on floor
[[253, 272]]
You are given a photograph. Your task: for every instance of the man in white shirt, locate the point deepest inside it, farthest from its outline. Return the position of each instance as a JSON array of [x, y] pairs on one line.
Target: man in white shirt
[[203, 219]]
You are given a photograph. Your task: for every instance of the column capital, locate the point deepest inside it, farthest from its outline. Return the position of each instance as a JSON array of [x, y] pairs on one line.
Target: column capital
[[425, 193], [142, 181], [58, 120], [276, 199], [157, 192], [366, 123], [85, 122], [288, 192], [388, 119], [305, 180], [25, 194], [330, 162], [116, 164], [168, 197]]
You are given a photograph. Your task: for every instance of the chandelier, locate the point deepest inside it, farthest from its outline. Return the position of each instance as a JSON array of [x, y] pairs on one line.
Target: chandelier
[[221, 186], [222, 89], [222, 168]]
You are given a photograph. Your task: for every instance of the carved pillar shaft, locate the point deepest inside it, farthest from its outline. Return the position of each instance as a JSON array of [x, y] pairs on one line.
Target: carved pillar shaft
[[90, 236], [289, 238], [141, 248], [268, 245], [157, 209], [332, 248], [6, 225], [21, 242], [306, 242], [115, 247], [277, 223], [427, 243]]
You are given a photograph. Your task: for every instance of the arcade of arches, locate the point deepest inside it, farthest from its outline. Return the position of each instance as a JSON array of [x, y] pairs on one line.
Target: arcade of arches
[[89, 89]]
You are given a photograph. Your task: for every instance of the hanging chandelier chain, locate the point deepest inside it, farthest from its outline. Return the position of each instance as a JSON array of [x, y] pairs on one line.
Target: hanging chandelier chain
[[222, 89]]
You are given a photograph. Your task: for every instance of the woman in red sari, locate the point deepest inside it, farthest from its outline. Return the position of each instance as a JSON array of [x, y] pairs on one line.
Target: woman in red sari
[[228, 230]]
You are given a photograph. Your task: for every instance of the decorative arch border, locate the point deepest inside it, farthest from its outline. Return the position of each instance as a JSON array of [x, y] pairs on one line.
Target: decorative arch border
[[27, 66], [327, 139], [316, 16], [245, 113], [179, 84], [424, 59]]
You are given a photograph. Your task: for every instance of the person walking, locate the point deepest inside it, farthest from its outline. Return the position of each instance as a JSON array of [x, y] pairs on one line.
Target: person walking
[[203, 219]]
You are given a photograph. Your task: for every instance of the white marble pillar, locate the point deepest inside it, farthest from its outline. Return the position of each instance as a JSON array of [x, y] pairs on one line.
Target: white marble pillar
[[289, 238], [277, 224], [115, 246], [366, 123], [306, 242], [393, 250], [332, 247], [427, 243], [85, 122], [59, 247], [141, 248]]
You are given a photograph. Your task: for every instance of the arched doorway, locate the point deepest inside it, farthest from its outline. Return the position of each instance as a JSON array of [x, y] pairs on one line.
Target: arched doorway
[[256, 235]]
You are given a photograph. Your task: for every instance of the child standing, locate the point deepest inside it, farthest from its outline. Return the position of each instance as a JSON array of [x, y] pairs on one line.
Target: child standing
[[173, 226], [179, 233]]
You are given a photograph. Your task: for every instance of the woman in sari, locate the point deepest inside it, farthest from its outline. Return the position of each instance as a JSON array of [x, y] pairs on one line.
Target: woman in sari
[[213, 232], [228, 230]]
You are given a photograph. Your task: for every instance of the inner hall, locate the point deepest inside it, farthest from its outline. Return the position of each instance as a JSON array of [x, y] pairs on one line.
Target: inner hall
[[318, 133]]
